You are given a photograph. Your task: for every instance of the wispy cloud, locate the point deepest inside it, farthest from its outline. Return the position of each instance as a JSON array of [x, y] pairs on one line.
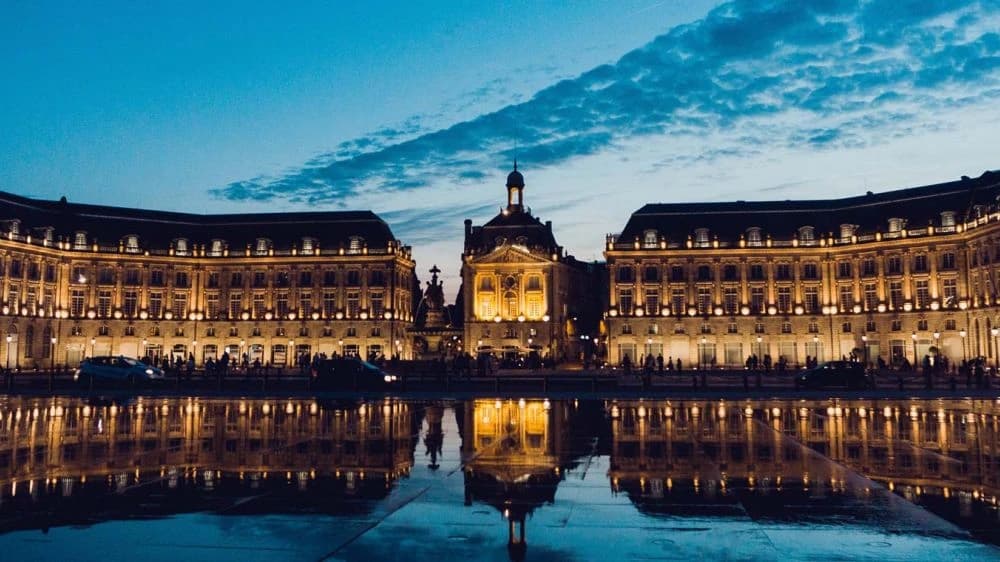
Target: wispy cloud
[[815, 75]]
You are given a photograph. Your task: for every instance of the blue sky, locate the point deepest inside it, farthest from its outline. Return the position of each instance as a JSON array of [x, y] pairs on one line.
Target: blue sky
[[416, 111]]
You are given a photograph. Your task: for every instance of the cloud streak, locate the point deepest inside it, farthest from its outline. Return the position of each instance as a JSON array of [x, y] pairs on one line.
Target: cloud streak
[[816, 75]]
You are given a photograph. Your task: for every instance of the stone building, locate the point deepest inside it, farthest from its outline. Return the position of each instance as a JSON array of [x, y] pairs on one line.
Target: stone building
[[521, 292], [80, 280], [898, 275]]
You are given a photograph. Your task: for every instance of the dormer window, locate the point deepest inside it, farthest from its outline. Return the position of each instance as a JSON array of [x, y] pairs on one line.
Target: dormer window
[[846, 231], [132, 244], [895, 225], [701, 237], [649, 239], [181, 247], [48, 235], [807, 235], [80, 240], [354, 245], [15, 227], [308, 244], [262, 247], [216, 248], [947, 218], [979, 211], [754, 238]]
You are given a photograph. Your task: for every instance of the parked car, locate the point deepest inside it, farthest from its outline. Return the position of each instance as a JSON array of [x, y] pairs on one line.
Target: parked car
[[350, 373], [120, 368], [847, 374]]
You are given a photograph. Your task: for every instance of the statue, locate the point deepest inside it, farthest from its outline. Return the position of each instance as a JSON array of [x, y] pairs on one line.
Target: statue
[[434, 299]]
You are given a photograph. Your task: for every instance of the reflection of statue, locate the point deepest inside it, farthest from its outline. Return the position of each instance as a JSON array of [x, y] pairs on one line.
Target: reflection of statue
[[434, 299]]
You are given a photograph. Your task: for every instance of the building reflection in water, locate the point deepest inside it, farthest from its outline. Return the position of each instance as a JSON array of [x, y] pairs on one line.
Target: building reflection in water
[[65, 460]]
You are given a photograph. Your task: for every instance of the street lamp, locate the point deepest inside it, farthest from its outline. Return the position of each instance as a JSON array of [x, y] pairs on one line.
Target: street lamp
[[864, 343], [93, 346], [292, 356], [916, 360], [9, 338], [760, 348], [962, 333], [341, 343], [52, 356]]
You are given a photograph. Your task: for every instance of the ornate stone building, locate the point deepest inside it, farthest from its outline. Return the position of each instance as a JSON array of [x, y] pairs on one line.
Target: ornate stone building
[[79, 280], [522, 293], [893, 275]]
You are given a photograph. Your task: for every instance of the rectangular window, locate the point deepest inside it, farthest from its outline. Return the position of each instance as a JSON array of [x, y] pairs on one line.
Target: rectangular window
[[810, 301], [871, 296], [730, 273], [281, 305], [651, 274], [678, 302], [258, 306], [329, 278], [212, 281], [306, 304], [180, 308], [132, 277], [810, 271], [235, 305], [868, 267], [130, 303], [704, 302], [785, 300], [948, 260], [845, 327], [920, 263], [353, 304], [677, 273], [652, 302], [846, 298], [156, 278], [625, 301], [329, 304], [949, 292], [50, 273], [896, 295], [104, 303], [212, 305], [282, 279], [376, 278], [783, 272], [757, 272], [260, 279], [305, 279], [757, 300], [376, 300], [354, 278], [181, 279], [155, 304], [730, 300], [923, 293], [893, 265], [844, 269], [236, 280], [106, 276]]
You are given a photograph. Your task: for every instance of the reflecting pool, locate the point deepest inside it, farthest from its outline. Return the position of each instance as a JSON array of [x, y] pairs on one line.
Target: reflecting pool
[[498, 479]]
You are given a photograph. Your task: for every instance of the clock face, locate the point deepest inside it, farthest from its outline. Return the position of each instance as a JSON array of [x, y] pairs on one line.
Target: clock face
[[510, 282]]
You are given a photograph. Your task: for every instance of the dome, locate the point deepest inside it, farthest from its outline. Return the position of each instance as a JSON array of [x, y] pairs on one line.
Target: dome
[[515, 179]]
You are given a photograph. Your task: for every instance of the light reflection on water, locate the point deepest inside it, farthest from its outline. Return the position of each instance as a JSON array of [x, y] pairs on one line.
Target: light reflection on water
[[67, 461]]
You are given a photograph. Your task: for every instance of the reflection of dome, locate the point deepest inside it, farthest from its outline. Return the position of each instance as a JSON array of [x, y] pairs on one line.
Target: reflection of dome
[[515, 179]]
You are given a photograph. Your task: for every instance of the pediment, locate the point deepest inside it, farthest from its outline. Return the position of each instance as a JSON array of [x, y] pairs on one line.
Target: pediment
[[509, 254]]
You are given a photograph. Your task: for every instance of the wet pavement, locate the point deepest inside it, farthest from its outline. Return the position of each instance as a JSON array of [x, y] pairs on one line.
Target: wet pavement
[[499, 479]]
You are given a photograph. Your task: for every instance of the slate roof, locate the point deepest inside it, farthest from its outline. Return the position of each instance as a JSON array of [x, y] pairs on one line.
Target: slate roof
[[512, 226], [156, 229], [919, 206]]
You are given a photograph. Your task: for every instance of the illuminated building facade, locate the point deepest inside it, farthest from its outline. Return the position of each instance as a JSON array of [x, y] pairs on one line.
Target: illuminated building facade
[[82, 280], [891, 275], [521, 292]]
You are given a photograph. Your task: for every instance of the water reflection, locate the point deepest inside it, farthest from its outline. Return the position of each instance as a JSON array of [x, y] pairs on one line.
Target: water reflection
[[821, 462]]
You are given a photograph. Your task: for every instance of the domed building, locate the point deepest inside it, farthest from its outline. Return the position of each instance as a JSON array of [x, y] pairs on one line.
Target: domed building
[[523, 296]]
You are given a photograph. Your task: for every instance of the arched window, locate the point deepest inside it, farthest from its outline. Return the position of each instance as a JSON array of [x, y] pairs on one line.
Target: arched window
[[895, 225], [807, 235], [132, 244], [308, 244], [80, 240], [649, 239], [754, 237], [216, 248], [947, 218], [262, 246], [510, 304], [486, 283], [181, 247], [846, 231], [701, 237]]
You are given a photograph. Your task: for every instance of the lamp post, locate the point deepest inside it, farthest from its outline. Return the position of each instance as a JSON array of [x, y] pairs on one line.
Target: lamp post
[[815, 349], [93, 346], [145, 349], [9, 339], [760, 348], [52, 355], [996, 356], [962, 333], [242, 345], [341, 343], [916, 359], [864, 343], [292, 356]]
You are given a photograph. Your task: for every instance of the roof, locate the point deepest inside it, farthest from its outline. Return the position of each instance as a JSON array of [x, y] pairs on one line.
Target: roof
[[157, 229], [919, 206], [514, 227]]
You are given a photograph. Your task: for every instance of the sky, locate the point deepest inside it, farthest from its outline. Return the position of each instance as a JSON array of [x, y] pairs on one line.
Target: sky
[[417, 110]]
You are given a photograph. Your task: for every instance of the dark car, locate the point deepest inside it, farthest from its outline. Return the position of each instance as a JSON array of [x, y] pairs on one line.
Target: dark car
[[350, 373], [123, 369], [846, 374]]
